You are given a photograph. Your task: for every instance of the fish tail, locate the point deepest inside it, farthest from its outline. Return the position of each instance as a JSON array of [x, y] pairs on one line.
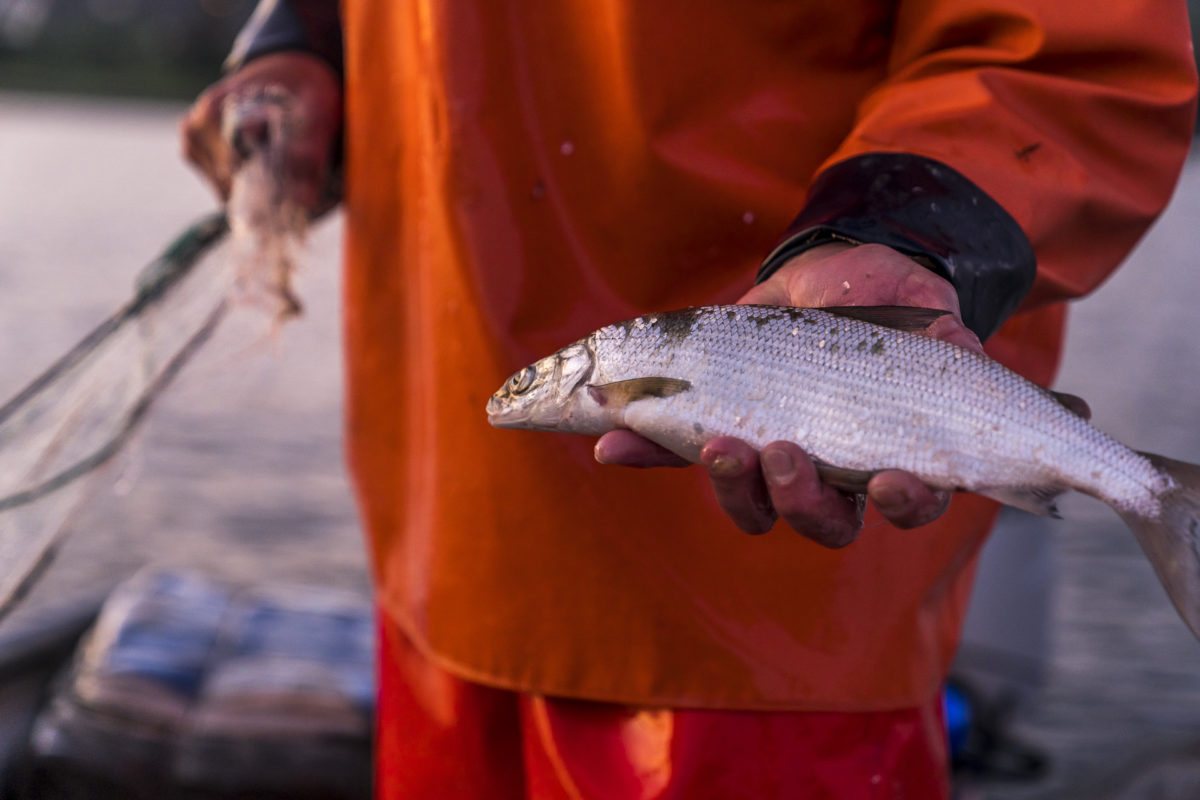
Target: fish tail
[[1171, 538]]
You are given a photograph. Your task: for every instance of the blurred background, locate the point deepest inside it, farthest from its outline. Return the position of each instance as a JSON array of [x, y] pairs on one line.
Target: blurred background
[[1078, 679], [124, 48]]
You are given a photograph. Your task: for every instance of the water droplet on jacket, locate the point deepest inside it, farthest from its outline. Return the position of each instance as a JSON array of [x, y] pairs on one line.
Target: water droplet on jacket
[[748, 218], [566, 148]]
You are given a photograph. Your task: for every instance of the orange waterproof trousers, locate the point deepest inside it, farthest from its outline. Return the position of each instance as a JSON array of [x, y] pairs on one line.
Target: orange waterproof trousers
[[447, 739]]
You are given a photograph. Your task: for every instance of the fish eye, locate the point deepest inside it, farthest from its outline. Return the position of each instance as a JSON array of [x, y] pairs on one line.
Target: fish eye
[[522, 381]]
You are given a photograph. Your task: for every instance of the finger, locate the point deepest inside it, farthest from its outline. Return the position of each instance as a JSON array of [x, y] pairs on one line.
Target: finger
[[771, 293], [627, 449], [904, 500], [950, 328], [1075, 404], [200, 121], [203, 144], [201, 155], [813, 508], [738, 484], [306, 170]]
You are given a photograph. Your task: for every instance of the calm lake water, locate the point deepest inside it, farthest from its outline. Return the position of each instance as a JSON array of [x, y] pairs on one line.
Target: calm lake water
[[240, 468]]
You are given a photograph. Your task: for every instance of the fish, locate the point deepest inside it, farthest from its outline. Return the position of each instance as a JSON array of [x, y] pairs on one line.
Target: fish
[[861, 390]]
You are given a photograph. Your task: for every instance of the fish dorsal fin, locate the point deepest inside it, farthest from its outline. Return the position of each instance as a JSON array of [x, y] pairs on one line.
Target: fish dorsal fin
[[901, 318], [625, 392], [1034, 499]]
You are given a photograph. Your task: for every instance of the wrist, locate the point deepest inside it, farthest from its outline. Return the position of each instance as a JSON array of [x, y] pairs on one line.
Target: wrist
[[930, 213], [816, 253], [832, 262]]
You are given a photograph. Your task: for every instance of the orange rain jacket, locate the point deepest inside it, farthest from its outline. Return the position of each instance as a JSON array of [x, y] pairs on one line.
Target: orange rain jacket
[[520, 173]]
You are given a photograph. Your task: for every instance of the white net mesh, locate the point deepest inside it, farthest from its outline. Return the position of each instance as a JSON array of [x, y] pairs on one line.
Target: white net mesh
[[57, 432]]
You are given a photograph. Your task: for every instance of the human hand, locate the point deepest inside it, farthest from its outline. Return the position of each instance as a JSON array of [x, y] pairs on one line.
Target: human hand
[[315, 117], [755, 489]]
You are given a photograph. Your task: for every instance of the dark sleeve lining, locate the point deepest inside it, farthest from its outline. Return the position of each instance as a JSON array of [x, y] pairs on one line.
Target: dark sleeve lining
[[310, 26], [926, 210]]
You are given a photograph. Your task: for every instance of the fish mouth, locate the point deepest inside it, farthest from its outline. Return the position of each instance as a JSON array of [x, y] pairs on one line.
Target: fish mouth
[[502, 415]]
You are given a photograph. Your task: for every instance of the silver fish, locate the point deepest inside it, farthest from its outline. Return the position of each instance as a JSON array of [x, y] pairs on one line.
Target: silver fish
[[860, 391]]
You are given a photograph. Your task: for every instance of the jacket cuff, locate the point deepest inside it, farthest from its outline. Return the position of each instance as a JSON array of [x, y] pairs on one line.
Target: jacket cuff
[[308, 26], [929, 212]]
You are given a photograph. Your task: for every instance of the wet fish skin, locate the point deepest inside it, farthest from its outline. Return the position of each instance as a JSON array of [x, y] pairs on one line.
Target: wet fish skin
[[861, 398], [852, 394]]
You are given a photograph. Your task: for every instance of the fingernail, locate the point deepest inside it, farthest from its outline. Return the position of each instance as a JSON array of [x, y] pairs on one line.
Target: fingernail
[[778, 466], [892, 498], [600, 453], [724, 466]]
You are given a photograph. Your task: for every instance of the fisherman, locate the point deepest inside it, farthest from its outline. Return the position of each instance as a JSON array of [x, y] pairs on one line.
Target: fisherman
[[518, 174]]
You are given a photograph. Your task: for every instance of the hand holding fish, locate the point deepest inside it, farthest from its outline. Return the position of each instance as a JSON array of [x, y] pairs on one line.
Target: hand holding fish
[[756, 488], [877, 405]]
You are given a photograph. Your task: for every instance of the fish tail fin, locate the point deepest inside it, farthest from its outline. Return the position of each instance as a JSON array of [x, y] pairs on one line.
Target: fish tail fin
[[1171, 539]]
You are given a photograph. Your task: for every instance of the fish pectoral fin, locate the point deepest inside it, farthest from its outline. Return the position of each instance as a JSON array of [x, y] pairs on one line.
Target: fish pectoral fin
[[1034, 499], [622, 393], [848, 480], [901, 318]]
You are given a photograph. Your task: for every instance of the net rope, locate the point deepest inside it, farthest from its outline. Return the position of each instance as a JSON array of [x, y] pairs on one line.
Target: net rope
[[60, 430]]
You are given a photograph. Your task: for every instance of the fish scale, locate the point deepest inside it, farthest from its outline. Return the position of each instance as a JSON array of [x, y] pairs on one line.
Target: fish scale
[[865, 398], [859, 397]]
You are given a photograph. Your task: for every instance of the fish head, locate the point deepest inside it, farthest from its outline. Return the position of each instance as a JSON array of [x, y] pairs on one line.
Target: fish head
[[546, 395]]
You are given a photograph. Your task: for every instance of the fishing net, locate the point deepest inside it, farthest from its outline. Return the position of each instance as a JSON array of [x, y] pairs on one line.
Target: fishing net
[[58, 432]]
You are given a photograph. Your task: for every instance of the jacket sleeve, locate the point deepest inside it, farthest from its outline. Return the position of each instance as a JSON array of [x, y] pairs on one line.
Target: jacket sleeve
[[310, 26], [1061, 125]]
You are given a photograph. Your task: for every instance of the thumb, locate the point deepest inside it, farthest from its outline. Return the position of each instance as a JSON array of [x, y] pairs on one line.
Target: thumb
[[770, 293]]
